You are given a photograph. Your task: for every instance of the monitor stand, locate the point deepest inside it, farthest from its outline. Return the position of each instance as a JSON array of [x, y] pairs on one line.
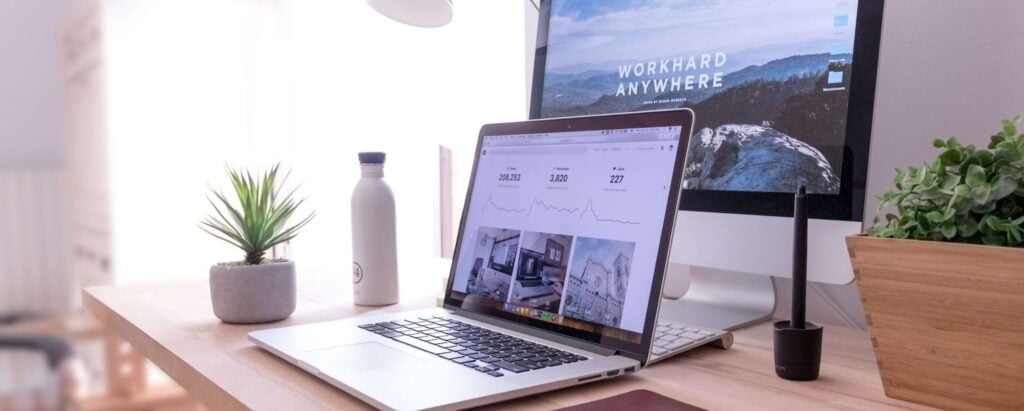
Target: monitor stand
[[717, 299]]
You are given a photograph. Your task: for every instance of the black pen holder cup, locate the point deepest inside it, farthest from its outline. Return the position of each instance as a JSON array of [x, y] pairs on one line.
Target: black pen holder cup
[[797, 351]]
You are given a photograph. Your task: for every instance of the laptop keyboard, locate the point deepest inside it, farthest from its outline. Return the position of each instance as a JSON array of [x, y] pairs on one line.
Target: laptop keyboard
[[487, 351]]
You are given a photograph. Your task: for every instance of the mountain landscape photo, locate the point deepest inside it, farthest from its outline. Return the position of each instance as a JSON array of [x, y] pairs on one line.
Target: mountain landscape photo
[[769, 114]]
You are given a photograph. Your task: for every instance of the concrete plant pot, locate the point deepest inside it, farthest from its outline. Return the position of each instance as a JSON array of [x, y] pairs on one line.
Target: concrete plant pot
[[250, 294]]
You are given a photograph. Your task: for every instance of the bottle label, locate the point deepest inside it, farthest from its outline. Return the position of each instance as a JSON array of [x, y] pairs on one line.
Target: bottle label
[[357, 273]]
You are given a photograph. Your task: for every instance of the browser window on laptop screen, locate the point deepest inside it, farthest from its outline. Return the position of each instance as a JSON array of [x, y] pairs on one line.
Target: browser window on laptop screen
[[565, 227]]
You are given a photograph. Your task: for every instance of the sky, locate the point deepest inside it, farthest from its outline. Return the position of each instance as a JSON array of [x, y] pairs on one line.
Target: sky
[[584, 33]]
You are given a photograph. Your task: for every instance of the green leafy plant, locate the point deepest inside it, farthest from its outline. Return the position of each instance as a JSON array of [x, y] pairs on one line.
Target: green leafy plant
[[258, 221], [964, 195]]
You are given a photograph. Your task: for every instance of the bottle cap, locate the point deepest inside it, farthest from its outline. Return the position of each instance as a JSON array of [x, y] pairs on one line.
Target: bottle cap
[[371, 157]]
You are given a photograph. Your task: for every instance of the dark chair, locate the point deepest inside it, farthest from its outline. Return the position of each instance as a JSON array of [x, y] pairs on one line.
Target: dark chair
[[56, 350]]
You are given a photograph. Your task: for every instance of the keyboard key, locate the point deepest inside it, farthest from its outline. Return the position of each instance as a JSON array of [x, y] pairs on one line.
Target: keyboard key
[[431, 348], [659, 351], [472, 346], [678, 344], [693, 336], [451, 355], [529, 364], [495, 374], [511, 367]]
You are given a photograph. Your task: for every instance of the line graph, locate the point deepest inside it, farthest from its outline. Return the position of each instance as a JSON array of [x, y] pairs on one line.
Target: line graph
[[583, 212]]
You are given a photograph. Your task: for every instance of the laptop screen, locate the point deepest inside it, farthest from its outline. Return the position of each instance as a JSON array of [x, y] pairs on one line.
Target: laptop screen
[[565, 228]]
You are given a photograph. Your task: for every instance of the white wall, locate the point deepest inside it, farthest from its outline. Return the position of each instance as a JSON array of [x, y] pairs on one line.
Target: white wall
[[945, 68], [31, 111], [195, 84], [32, 270]]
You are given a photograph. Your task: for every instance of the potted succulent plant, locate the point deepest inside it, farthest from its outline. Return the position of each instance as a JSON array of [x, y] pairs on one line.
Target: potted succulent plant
[[942, 277], [257, 289]]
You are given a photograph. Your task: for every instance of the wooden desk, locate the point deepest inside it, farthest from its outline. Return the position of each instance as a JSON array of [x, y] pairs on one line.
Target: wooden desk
[[173, 326]]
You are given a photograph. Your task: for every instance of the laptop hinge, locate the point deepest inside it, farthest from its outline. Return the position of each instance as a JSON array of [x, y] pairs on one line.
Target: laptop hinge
[[547, 335]]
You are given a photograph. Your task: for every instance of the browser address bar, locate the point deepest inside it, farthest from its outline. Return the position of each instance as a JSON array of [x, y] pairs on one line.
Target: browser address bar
[[535, 151]]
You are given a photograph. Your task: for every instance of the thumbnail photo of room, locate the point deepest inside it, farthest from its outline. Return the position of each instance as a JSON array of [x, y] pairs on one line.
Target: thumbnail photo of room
[[598, 278], [494, 259], [540, 275]]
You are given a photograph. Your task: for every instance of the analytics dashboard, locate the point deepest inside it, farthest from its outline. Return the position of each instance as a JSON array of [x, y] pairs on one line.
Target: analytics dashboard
[[565, 227]]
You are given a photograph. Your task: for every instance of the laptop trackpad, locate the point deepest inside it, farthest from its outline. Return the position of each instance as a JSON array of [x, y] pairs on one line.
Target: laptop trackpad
[[359, 357]]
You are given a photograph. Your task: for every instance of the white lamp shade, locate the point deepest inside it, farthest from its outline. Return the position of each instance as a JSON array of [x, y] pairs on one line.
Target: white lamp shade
[[420, 13]]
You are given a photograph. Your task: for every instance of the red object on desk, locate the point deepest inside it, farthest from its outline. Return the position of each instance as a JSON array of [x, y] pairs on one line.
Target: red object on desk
[[635, 400]]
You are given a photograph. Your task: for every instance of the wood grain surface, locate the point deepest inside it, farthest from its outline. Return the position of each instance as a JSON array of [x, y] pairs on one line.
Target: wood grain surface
[[173, 326], [947, 320]]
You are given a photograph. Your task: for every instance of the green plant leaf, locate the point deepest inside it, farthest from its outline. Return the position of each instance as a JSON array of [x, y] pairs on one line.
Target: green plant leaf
[[951, 157], [967, 227], [985, 158], [1002, 187], [993, 240], [949, 230], [257, 219], [975, 176], [1010, 127], [963, 194], [950, 181], [980, 194]]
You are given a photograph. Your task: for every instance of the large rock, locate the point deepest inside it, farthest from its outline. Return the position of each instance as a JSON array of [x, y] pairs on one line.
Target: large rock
[[742, 157]]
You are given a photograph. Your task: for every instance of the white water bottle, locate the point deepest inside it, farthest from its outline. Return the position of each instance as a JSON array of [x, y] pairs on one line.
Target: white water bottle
[[374, 254]]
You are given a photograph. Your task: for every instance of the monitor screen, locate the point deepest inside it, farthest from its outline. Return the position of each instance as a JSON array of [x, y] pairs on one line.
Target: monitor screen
[[566, 227], [769, 83]]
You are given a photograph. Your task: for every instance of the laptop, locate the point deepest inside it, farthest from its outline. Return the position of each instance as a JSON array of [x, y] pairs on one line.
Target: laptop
[[556, 279]]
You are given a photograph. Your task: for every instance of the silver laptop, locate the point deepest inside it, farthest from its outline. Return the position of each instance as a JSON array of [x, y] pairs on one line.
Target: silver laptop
[[556, 280]]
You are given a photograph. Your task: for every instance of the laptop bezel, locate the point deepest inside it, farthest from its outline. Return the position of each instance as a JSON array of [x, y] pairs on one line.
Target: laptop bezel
[[660, 118]]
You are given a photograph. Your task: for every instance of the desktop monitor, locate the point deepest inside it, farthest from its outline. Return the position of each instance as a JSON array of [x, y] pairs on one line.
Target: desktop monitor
[[783, 94]]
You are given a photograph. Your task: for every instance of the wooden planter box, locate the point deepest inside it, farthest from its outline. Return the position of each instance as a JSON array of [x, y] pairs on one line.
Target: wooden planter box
[[946, 320]]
